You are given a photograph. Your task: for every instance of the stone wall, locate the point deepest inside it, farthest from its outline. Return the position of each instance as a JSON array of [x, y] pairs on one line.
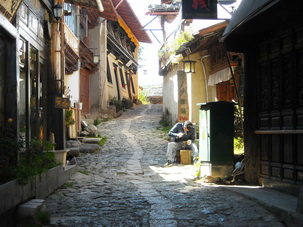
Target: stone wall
[[13, 194]]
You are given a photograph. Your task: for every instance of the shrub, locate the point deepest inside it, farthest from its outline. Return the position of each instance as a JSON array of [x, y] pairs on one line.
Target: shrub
[[69, 120], [102, 141], [42, 217], [117, 103], [32, 164], [9, 149], [97, 121], [142, 97]]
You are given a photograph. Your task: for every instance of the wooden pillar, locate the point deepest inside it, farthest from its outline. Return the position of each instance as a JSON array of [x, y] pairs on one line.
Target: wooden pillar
[[58, 115]]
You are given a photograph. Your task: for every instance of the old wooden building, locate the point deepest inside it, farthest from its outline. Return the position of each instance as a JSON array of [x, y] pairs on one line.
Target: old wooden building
[[270, 34]]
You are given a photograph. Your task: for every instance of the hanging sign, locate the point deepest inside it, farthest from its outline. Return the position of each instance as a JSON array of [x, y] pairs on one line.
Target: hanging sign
[[183, 110], [199, 9], [9, 8], [62, 103]]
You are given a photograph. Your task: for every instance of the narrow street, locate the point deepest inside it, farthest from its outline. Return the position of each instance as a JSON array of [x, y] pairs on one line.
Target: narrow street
[[125, 184]]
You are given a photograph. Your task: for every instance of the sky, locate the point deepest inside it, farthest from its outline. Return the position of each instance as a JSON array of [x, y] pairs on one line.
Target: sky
[[149, 63]]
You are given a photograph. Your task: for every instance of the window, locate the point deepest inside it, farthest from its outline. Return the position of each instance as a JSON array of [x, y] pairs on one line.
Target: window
[[132, 84], [122, 77], [40, 31], [83, 23], [109, 76], [71, 19], [33, 22], [23, 13], [22, 88], [110, 29]]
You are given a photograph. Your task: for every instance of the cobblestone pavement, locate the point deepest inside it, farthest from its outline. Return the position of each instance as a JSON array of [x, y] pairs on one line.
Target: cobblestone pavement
[[125, 184]]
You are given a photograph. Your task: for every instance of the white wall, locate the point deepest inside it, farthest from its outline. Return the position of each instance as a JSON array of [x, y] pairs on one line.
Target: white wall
[[73, 82], [170, 95]]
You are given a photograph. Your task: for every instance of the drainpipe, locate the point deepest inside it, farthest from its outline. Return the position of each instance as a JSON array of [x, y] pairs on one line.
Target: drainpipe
[[100, 6], [204, 72]]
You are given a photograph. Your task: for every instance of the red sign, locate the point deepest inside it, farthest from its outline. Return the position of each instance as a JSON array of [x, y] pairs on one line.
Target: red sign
[[199, 9]]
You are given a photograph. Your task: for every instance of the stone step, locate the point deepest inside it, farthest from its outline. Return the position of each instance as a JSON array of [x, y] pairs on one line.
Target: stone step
[[74, 151], [29, 208], [91, 140]]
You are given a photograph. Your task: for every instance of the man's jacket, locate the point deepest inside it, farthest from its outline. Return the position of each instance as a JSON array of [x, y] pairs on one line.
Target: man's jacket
[[189, 135]]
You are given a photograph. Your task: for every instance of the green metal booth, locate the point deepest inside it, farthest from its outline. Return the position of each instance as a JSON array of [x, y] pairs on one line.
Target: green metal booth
[[216, 138]]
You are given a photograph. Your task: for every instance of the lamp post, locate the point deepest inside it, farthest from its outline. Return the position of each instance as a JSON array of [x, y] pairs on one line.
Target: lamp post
[[57, 11], [58, 113]]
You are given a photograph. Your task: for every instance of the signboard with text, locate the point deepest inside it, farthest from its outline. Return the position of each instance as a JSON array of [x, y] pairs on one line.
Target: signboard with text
[[199, 9], [183, 110], [9, 8], [62, 103]]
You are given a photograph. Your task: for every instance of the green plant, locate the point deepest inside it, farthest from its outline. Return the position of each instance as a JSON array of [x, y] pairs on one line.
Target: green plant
[[102, 141], [69, 120], [238, 122], [117, 103], [32, 164], [172, 47], [18, 161], [142, 97], [68, 184], [183, 37], [238, 145], [165, 129], [10, 146], [97, 121], [42, 217], [105, 119], [238, 130], [85, 172], [34, 160]]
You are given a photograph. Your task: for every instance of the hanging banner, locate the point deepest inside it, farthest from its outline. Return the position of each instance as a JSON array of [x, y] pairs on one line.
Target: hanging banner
[[9, 8], [183, 110], [199, 9]]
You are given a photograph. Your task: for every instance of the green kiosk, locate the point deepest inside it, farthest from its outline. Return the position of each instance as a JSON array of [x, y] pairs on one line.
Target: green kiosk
[[216, 138]]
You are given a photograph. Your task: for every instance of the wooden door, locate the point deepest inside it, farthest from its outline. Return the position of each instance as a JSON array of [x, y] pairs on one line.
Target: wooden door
[[84, 91]]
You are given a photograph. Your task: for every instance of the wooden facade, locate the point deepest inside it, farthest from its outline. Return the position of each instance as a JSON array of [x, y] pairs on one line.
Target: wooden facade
[[84, 91], [272, 42], [280, 108]]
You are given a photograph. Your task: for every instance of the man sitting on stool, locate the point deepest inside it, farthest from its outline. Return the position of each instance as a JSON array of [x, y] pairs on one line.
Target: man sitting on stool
[[183, 133]]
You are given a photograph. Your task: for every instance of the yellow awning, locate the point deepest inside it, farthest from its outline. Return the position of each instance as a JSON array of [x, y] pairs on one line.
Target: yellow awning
[[128, 31]]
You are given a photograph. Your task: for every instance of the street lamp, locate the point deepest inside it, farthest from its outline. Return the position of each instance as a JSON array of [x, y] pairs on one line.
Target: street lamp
[[189, 66], [96, 58], [57, 11]]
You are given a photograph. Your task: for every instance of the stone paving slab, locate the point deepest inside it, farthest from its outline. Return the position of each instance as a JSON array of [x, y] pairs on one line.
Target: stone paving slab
[[125, 184]]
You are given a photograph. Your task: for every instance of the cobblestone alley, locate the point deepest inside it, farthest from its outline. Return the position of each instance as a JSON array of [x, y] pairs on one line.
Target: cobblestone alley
[[125, 184]]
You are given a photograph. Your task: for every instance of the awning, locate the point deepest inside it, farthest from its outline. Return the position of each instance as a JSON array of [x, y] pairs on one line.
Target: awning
[[126, 12], [109, 12], [219, 77], [246, 11]]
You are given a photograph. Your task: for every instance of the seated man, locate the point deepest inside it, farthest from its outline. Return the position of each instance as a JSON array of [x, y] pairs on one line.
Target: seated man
[[184, 135]]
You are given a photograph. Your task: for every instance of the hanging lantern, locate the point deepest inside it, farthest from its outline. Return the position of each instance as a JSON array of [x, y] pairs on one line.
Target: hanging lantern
[[57, 11], [189, 66]]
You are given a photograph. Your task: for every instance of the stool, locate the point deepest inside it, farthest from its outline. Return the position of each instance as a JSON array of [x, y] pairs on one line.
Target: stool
[[185, 157]]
